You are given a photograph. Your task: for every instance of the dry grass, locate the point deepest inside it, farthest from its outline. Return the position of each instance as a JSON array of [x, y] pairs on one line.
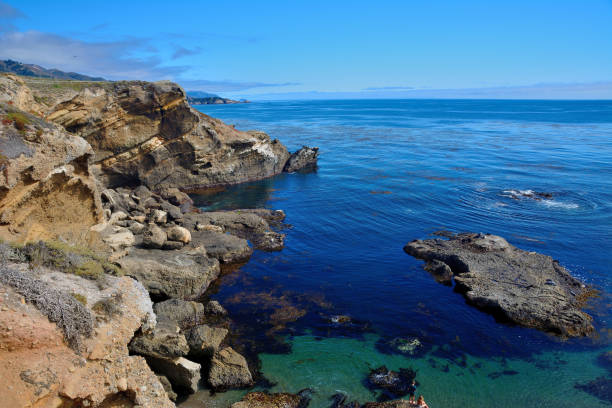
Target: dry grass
[[70, 315]]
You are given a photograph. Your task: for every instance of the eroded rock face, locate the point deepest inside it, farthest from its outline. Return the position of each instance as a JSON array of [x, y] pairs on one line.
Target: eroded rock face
[[525, 288], [46, 188], [38, 368], [147, 133]]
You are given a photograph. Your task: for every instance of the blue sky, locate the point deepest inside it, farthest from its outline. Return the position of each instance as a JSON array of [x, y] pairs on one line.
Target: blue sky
[[325, 49]]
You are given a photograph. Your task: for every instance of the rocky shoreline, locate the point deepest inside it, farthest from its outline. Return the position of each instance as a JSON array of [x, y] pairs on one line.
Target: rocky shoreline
[[107, 264], [90, 184]]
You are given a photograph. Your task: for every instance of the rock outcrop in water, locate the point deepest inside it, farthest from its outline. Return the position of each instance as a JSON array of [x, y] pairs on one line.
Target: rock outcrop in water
[[304, 159], [521, 287]]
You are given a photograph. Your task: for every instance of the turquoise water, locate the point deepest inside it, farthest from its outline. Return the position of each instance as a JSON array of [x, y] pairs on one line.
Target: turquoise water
[[394, 171]]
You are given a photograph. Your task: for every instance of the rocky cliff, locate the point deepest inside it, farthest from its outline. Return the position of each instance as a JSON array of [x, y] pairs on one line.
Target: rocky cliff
[[146, 133]]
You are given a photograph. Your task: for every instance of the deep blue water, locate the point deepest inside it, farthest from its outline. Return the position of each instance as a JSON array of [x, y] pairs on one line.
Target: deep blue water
[[391, 171]]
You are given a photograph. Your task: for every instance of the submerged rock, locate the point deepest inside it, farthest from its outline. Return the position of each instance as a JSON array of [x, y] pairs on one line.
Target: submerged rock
[[276, 400], [228, 369], [605, 360], [525, 288], [397, 384], [600, 387], [304, 159]]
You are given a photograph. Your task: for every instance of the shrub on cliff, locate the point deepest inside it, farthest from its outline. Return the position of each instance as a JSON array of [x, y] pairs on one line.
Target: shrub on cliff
[[71, 316], [69, 259]]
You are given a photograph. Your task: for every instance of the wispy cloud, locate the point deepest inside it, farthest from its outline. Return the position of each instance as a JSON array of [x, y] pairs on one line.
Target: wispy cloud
[[9, 12], [126, 59], [589, 90], [389, 88], [180, 51], [229, 86]]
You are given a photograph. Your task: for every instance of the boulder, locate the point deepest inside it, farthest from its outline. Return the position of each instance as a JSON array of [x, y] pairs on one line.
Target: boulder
[[183, 374], [166, 341], [159, 217], [228, 369], [224, 247], [180, 274], [214, 308], [204, 340], [304, 159], [185, 314], [120, 240], [525, 288], [153, 237], [180, 234]]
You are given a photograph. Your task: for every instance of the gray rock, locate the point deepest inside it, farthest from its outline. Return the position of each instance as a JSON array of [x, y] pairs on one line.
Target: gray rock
[[137, 228], [185, 314], [172, 245], [509, 282], [174, 212], [167, 387], [158, 216], [180, 274], [214, 308], [180, 234], [304, 159], [153, 237], [165, 341], [228, 369], [224, 247], [246, 224], [204, 340], [183, 374]]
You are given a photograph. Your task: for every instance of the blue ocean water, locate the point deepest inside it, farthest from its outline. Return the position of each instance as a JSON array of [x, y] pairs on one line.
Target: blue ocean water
[[391, 171]]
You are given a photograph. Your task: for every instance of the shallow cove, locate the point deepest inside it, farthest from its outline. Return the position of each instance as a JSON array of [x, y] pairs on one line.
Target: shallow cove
[[393, 171]]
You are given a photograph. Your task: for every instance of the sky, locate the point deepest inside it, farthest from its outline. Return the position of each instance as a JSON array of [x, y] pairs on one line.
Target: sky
[[326, 49]]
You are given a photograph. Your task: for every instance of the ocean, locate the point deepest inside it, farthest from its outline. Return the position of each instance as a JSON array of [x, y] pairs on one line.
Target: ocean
[[391, 171]]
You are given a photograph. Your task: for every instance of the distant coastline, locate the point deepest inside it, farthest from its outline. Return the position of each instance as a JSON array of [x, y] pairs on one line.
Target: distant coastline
[[213, 100]]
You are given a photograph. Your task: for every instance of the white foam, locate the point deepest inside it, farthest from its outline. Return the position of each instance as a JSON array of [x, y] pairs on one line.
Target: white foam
[[560, 204]]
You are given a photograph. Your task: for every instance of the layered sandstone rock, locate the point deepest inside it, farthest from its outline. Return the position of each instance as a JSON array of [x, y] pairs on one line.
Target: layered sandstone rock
[[46, 188], [146, 133]]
